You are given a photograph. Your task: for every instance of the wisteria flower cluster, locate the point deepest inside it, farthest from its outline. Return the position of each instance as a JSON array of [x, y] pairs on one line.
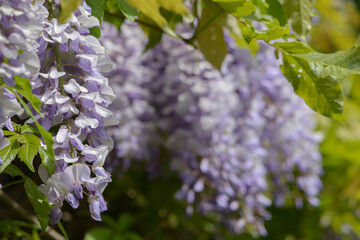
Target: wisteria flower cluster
[[20, 27], [65, 65], [227, 132]]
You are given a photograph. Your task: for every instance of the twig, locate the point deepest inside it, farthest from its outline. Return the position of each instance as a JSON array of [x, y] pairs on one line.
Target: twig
[[21, 211]]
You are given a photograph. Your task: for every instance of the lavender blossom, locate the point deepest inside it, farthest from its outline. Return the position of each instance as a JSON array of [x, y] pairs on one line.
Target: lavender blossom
[[75, 97], [135, 135], [225, 132]]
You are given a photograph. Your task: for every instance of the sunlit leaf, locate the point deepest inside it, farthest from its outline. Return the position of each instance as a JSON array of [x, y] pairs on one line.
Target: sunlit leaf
[[324, 95], [238, 8], [151, 8]]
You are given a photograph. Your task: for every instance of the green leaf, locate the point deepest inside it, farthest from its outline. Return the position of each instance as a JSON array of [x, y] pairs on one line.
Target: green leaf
[[324, 95], [29, 149], [276, 10], [27, 128], [8, 153], [299, 14], [45, 134], [294, 47], [210, 34], [67, 8], [39, 202], [14, 171], [339, 64], [250, 33], [95, 31], [128, 11], [97, 8], [151, 8], [47, 162], [62, 229], [9, 133], [48, 139], [238, 8], [24, 87]]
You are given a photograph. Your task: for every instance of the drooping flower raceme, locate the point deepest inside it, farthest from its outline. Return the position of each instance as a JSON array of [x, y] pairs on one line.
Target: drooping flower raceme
[[287, 134], [135, 135], [20, 26], [225, 132], [75, 96]]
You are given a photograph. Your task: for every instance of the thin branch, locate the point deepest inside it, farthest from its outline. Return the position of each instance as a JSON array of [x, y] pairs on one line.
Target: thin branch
[[22, 212]]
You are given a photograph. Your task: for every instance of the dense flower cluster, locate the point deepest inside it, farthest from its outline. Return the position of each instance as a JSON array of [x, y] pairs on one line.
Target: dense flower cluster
[[65, 65], [75, 96], [20, 26], [135, 135], [226, 132]]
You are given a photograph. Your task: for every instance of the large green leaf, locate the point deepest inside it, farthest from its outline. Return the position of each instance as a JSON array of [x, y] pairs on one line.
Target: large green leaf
[[24, 87], [39, 202], [8, 154], [67, 8], [29, 149], [322, 94], [210, 34], [299, 14]]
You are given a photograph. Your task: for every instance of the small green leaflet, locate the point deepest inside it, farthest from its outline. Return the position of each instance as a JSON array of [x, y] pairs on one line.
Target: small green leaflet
[[45, 134], [238, 8], [128, 11], [14, 171], [97, 8], [299, 14], [276, 10], [294, 47], [249, 33], [210, 34], [39, 202], [29, 149], [151, 8], [24, 87], [47, 162], [8, 154], [67, 8], [27, 128]]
